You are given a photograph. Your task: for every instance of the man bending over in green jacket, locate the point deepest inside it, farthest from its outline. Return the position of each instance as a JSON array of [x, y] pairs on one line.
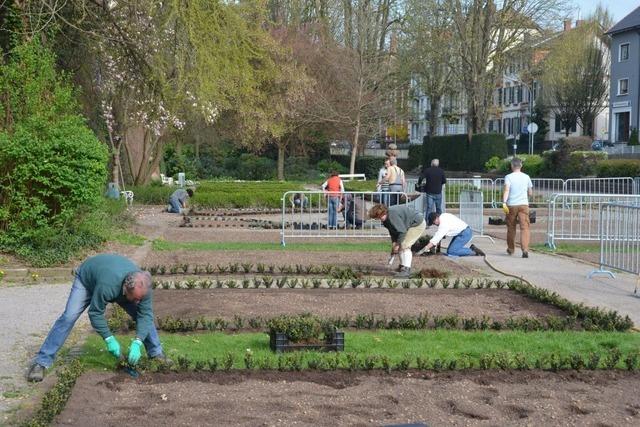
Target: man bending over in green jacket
[[405, 226], [100, 280]]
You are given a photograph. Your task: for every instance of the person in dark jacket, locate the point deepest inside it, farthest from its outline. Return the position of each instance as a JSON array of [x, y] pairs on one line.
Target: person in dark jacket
[[405, 226], [434, 179], [100, 280]]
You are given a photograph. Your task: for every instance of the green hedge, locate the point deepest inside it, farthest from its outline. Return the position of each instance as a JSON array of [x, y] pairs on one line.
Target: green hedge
[[618, 167], [367, 165], [456, 153], [222, 194], [532, 165], [584, 163]]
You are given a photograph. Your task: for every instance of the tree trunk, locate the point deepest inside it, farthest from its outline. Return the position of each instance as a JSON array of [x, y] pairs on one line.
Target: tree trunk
[[281, 153], [433, 116], [354, 148]]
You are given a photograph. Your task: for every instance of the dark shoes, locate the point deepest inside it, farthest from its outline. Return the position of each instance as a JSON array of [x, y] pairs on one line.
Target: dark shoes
[[477, 250], [525, 254], [405, 272], [509, 252], [36, 373]]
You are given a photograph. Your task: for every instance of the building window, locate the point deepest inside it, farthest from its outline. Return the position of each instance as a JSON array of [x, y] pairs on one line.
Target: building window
[[623, 54], [623, 87], [557, 127]]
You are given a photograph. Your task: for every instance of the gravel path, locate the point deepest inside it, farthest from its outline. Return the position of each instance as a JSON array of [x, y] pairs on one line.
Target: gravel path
[[27, 314]]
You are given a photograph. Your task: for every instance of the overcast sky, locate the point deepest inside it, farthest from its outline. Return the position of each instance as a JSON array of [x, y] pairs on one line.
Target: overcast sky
[[618, 8]]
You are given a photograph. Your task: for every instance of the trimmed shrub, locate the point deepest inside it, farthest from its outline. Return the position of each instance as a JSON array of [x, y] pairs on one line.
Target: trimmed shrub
[[532, 165], [416, 157], [325, 166], [483, 147], [583, 163], [618, 167], [633, 137], [367, 165], [455, 153]]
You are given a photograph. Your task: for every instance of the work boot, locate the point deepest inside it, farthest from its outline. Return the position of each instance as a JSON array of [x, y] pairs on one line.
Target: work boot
[[405, 272], [36, 373], [477, 250], [399, 269]]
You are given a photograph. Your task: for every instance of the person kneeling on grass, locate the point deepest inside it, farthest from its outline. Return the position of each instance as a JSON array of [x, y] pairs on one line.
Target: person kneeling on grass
[[451, 226], [100, 280], [405, 226]]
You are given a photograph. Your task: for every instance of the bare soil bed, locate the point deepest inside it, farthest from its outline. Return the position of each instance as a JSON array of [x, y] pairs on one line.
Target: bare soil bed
[[498, 304], [241, 398]]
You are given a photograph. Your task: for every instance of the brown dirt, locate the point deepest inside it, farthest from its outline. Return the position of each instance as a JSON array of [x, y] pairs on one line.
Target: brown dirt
[[347, 398], [499, 304]]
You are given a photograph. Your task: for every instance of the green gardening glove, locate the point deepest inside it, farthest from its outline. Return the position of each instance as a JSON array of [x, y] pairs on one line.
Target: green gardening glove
[[135, 351], [113, 346]]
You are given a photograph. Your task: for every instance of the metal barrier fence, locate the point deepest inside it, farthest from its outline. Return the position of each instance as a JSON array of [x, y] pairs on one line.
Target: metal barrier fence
[[622, 185], [310, 214], [619, 239], [471, 211], [543, 188], [574, 216]]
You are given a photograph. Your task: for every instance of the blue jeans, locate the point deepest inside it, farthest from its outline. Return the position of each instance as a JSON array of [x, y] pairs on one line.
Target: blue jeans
[[175, 205], [333, 202], [433, 202], [456, 247], [79, 300]]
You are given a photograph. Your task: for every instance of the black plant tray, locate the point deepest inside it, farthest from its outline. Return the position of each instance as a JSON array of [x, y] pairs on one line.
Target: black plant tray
[[279, 342]]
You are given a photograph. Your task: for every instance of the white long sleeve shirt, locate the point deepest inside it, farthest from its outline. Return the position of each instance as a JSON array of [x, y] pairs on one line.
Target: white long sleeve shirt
[[450, 225]]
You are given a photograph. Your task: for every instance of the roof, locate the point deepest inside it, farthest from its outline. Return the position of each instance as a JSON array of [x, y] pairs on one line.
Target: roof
[[628, 23]]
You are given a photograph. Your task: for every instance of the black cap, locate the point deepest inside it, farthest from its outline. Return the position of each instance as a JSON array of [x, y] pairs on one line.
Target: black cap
[[432, 217]]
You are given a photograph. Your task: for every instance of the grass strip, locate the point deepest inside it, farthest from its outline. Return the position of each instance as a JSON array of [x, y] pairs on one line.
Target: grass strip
[[577, 248], [329, 246], [394, 345]]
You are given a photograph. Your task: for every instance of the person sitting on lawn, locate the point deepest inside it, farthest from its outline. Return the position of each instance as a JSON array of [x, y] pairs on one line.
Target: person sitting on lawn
[[99, 280], [450, 225], [178, 200]]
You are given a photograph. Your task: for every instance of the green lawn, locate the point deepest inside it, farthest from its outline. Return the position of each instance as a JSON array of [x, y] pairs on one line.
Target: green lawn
[[577, 248], [128, 239], [393, 344], [329, 246]]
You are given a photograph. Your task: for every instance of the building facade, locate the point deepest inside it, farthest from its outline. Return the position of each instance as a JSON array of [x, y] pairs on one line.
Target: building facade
[[625, 76], [513, 102]]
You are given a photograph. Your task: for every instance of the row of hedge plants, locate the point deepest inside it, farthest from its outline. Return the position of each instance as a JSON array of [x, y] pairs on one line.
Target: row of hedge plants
[[286, 282], [424, 321], [261, 268], [301, 361]]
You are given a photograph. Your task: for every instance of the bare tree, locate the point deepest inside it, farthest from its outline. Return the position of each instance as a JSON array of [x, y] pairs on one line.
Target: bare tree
[[487, 32], [575, 76], [427, 51]]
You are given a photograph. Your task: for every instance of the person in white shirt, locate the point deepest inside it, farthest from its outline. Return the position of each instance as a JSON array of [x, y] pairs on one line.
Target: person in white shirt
[[515, 203], [460, 233]]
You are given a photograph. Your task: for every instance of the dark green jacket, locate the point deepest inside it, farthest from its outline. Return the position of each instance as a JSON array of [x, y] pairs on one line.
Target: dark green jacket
[[102, 276], [400, 218]]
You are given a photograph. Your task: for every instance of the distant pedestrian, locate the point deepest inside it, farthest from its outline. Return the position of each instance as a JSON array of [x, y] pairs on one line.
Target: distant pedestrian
[[397, 181], [333, 188], [355, 210], [178, 200], [515, 203], [405, 226], [383, 184], [434, 179], [300, 201], [450, 225]]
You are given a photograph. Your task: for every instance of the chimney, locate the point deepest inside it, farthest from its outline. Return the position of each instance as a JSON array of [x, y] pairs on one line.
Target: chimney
[[579, 22], [567, 24]]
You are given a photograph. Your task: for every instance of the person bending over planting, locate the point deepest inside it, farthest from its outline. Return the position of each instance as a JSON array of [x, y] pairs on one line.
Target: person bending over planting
[[405, 226], [451, 226], [178, 200], [98, 281]]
